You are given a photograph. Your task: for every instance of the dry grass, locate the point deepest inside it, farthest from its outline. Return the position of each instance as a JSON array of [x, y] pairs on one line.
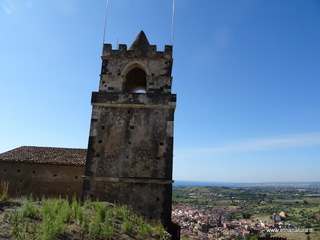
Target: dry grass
[[4, 190]]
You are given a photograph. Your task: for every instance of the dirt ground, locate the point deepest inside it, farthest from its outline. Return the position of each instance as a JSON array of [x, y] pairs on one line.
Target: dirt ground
[[7, 207]]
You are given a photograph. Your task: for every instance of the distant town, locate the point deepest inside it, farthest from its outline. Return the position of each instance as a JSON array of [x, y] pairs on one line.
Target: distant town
[[247, 212]]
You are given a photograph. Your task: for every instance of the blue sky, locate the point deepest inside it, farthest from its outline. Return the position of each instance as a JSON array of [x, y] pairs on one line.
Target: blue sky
[[246, 74]]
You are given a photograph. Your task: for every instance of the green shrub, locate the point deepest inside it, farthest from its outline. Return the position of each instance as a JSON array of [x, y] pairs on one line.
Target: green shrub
[[160, 230], [108, 229], [94, 227], [144, 230], [75, 207], [64, 211], [51, 227], [29, 209], [138, 219], [127, 226], [99, 210], [46, 207], [121, 212], [84, 219]]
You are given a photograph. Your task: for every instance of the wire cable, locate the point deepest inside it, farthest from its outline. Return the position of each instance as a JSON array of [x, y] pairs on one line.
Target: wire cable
[[105, 23], [172, 22]]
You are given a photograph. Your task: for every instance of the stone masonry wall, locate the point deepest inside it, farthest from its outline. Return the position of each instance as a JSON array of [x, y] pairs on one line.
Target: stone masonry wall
[[41, 180]]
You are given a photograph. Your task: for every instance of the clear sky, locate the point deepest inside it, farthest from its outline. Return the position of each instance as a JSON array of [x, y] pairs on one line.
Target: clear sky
[[247, 75]]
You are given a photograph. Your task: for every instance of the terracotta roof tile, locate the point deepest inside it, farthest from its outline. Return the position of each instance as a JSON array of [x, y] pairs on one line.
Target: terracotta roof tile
[[45, 155]]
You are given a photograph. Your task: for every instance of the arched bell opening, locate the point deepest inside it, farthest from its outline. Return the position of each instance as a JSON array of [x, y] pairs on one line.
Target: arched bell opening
[[135, 81]]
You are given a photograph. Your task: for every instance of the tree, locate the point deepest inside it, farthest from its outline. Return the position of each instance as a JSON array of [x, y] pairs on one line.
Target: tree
[[246, 215]]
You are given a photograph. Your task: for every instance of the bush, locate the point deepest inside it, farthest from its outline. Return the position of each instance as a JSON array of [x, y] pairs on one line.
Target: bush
[[52, 227], [144, 230], [127, 226], [29, 209], [108, 229]]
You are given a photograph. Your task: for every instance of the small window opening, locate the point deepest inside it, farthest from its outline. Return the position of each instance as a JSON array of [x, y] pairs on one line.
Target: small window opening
[[161, 143], [100, 141], [129, 143], [55, 175], [102, 127], [132, 127], [18, 170], [76, 177], [33, 172]]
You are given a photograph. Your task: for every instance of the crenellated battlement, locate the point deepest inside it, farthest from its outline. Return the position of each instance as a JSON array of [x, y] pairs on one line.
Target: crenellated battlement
[[140, 48], [140, 67], [148, 52]]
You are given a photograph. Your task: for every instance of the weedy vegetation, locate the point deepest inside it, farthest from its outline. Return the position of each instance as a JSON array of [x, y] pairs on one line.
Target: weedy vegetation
[[50, 219]]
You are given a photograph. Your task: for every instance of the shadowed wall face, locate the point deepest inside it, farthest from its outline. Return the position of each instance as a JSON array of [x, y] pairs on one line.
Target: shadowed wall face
[[41, 180]]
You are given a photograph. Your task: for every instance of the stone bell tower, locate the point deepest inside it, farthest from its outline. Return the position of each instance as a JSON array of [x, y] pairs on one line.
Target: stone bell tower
[[130, 146]]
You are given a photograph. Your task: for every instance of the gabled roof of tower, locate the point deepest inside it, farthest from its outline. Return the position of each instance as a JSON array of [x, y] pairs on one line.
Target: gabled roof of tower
[[140, 43], [45, 155]]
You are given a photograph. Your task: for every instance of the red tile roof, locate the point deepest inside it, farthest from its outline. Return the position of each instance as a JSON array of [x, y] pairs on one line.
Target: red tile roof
[[45, 155]]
